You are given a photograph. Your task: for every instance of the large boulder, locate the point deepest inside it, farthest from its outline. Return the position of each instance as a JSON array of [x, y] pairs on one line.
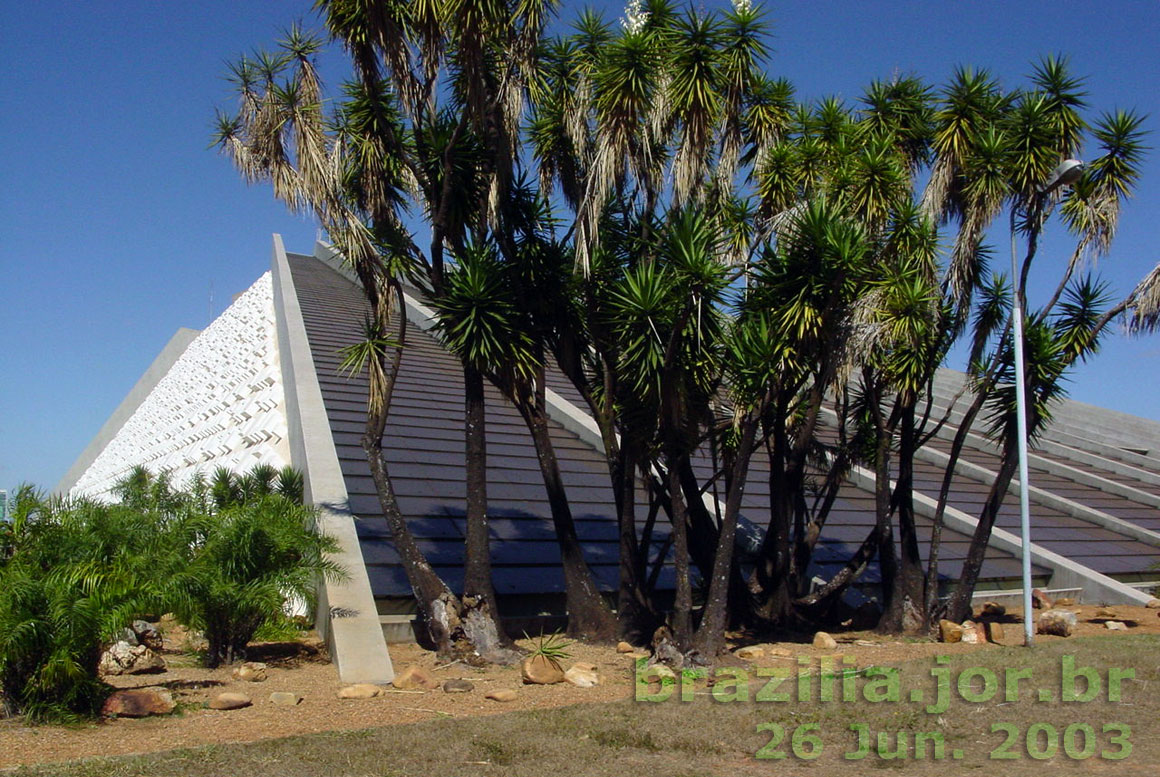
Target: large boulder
[[138, 704], [541, 670], [123, 658], [1060, 623]]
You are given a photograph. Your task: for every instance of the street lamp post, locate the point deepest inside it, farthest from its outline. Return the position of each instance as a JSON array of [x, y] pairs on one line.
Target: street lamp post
[[1065, 174]]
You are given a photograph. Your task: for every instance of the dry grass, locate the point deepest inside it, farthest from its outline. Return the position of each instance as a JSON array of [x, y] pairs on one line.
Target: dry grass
[[705, 737]]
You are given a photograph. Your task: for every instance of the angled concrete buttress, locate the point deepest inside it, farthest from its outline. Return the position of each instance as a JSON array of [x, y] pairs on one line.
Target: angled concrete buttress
[[347, 617]]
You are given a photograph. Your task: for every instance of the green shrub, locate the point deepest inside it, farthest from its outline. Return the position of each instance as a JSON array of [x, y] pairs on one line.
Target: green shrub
[[238, 566], [78, 571]]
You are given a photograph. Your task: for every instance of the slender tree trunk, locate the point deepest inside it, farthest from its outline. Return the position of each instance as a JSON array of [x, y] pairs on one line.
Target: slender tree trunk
[[959, 606], [770, 580], [906, 613], [477, 564], [634, 611], [710, 637], [589, 616], [932, 603], [887, 559], [683, 604]]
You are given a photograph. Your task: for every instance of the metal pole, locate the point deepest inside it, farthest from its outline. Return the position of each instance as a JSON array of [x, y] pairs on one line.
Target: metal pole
[[1021, 426]]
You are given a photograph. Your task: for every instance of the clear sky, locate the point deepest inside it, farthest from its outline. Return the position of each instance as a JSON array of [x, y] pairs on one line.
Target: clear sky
[[118, 225]]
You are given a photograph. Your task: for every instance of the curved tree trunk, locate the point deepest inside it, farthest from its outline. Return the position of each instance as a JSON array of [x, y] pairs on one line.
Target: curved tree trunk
[[959, 607], [906, 613], [710, 636], [589, 616]]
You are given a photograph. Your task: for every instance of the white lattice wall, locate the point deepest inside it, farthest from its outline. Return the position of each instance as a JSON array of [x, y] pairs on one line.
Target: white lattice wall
[[220, 404]]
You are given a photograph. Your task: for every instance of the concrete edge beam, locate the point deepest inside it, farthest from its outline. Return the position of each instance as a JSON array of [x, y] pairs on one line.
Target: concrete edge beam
[[1081, 476], [1065, 573], [347, 616], [1046, 498]]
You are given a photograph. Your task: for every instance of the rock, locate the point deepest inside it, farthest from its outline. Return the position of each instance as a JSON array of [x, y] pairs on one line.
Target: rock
[[1061, 623], [415, 678], [994, 631], [582, 675], [665, 650], [658, 673], [285, 698], [1115, 626], [1105, 612], [230, 701], [138, 704], [624, 647], [123, 658], [458, 685], [127, 635], [147, 635], [1040, 600], [824, 641], [973, 633], [250, 672], [502, 695], [779, 652], [1065, 601], [749, 652], [541, 670], [360, 691], [1153, 604], [993, 610], [949, 631]]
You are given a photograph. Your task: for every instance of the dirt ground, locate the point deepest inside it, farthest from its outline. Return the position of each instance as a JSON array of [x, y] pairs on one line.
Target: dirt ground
[[306, 671]]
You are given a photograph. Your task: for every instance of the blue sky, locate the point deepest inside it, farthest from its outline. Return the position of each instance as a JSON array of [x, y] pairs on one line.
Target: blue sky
[[117, 223]]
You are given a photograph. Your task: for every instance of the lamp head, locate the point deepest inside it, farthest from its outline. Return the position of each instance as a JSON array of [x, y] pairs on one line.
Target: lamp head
[[1067, 173]]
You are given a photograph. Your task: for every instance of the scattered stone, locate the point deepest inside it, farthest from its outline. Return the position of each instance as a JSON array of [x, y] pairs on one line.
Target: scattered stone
[[147, 635], [658, 673], [250, 672], [1061, 623], [415, 678], [993, 610], [665, 650], [949, 631], [1105, 612], [1153, 604], [541, 670], [502, 695], [1065, 601], [360, 691], [458, 685], [749, 652], [624, 647], [123, 658], [994, 632], [973, 633], [285, 698], [1040, 600], [865, 643], [582, 675], [1115, 626], [779, 652], [127, 635], [138, 704], [230, 701], [824, 641]]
